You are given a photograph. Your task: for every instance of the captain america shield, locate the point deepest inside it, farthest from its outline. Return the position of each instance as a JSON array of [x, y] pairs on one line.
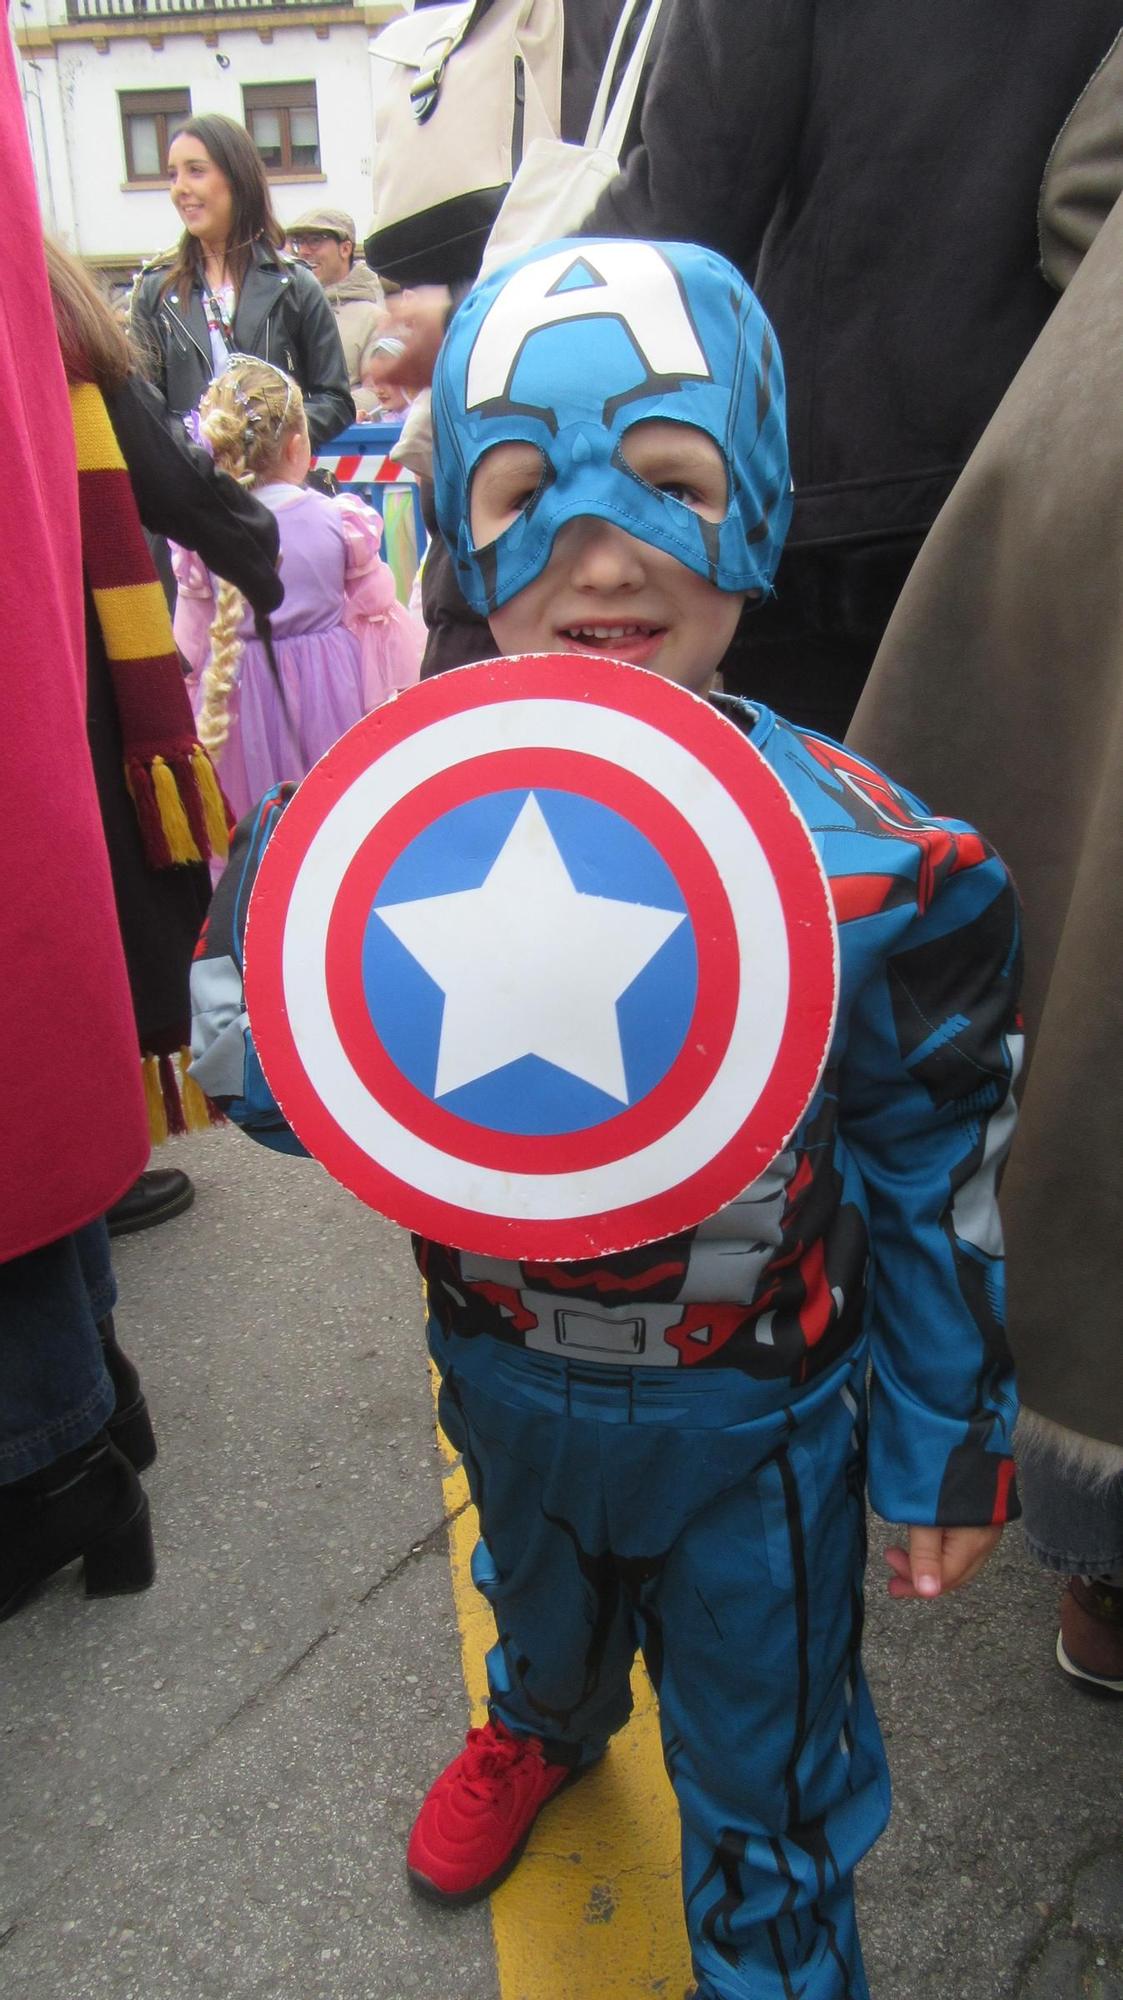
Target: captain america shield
[[541, 960]]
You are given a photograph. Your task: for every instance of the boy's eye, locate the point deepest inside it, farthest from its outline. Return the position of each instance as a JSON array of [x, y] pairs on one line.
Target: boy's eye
[[680, 461], [520, 496], [503, 484], [676, 490]]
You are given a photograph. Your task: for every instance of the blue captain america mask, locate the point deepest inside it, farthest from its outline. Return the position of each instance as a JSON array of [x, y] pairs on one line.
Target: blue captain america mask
[[570, 347]]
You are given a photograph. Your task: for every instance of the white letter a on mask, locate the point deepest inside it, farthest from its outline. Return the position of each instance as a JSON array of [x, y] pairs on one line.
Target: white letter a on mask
[[629, 282]]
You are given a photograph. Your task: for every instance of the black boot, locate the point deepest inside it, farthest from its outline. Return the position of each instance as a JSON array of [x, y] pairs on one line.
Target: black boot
[[155, 1196], [89, 1504], [130, 1426]]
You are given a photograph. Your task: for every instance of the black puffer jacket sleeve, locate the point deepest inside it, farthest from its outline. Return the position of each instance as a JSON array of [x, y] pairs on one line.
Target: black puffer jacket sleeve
[[181, 494], [320, 364], [720, 126]]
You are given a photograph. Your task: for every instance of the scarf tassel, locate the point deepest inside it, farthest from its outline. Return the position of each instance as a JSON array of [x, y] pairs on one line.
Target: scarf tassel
[[199, 1110], [180, 808], [153, 838], [216, 813], [174, 1101]]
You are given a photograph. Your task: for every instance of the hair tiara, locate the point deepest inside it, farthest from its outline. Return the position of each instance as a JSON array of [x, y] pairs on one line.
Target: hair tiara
[[253, 417]]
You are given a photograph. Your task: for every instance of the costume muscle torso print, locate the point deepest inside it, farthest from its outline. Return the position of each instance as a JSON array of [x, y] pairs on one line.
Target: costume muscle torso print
[[898, 1154]]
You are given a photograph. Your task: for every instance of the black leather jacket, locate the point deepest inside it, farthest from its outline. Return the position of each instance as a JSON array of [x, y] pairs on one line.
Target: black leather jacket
[[282, 316]]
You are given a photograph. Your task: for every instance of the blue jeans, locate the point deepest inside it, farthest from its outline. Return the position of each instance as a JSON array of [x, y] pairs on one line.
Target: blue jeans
[[1071, 1526], [55, 1391]]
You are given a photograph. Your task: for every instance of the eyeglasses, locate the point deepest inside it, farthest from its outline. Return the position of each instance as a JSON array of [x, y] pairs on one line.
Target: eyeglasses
[[312, 238]]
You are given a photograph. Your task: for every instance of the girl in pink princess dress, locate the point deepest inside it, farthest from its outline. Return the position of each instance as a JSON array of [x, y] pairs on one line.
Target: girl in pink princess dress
[[341, 642]]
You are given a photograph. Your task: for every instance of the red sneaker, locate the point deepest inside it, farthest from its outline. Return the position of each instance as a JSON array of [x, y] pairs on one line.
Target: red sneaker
[[476, 1818]]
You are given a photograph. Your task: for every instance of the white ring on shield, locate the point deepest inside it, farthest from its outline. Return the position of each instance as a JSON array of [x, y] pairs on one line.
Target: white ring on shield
[[758, 918]]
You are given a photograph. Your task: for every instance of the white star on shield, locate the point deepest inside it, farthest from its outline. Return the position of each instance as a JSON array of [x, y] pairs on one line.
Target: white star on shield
[[529, 964]]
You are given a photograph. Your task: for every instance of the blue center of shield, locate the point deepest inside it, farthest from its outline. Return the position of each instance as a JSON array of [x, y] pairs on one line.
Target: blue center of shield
[[603, 855]]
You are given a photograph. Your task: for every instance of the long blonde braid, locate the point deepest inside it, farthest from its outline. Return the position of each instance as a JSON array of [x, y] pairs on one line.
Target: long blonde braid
[[247, 416]]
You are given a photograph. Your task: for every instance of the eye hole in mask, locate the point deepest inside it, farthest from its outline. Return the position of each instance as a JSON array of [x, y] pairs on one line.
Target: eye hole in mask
[[505, 484], [679, 461]]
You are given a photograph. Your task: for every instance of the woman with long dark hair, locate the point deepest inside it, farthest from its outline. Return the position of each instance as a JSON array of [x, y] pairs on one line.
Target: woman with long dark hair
[[227, 287]]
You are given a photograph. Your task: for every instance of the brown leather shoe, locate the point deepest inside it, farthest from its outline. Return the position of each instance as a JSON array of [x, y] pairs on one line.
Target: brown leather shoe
[[154, 1197], [1090, 1641]]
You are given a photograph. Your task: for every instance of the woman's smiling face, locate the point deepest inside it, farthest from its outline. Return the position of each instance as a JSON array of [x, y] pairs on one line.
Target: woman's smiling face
[[603, 591], [201, 192]]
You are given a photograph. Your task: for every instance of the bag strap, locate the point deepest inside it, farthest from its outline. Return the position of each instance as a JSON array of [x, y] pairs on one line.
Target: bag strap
[[608, 123], [218, 319], [425, 90]]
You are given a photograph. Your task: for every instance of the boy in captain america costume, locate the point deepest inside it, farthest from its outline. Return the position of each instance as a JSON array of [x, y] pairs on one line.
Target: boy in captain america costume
[[669, 1448]]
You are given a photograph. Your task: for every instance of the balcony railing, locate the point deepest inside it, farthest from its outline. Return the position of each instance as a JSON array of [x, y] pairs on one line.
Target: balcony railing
[[117, 10]]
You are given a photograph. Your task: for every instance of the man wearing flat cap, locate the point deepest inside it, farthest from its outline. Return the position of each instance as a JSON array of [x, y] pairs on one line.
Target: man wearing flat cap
[[324, 239]]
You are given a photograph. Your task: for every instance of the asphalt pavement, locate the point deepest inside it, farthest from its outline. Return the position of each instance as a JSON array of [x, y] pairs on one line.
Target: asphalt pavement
[[205, 1790]]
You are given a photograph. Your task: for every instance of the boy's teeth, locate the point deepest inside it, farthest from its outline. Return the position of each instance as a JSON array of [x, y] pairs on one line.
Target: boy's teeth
[[607, 631]]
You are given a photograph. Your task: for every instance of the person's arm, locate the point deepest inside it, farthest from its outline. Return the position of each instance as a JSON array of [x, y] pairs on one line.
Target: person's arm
[[180, 493], [321, 365], [224, 1060], [928, 1115], [390, 638], [194, 611], [720, 124], [145, 336], [368, 582]]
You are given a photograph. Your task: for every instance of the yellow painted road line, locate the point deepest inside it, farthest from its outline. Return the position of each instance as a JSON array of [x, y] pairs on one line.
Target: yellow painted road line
[[593, 1910]]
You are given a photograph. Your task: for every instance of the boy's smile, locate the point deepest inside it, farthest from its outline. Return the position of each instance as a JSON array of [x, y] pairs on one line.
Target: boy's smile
[[635, 643], [603, 591]]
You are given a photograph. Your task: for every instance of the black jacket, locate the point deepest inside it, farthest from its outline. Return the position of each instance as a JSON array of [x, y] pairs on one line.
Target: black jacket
[[178, 492], [282, 316], [873, 167]]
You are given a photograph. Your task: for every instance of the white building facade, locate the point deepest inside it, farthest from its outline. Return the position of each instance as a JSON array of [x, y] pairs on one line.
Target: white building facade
[[106, 81]]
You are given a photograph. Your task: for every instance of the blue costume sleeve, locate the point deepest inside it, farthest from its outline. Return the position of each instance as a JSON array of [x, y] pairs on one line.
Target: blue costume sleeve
[[224, 1060], [928, 1115]]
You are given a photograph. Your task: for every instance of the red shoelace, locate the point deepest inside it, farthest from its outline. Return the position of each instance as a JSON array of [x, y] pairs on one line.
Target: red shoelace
[[489, 1754]]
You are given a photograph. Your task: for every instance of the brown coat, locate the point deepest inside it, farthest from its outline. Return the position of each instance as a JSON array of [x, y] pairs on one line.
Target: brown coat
[[998, 695]]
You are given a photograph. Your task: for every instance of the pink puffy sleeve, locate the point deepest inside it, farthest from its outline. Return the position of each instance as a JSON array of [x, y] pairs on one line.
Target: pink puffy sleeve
[[194, 610], [392, 639]]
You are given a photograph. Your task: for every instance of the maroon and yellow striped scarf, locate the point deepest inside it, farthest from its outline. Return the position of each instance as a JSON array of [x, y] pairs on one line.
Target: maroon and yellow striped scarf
[[172, 780], [179, 803]]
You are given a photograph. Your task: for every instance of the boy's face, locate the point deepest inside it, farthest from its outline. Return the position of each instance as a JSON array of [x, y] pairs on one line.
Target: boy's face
[[603, 592], [574, 351]]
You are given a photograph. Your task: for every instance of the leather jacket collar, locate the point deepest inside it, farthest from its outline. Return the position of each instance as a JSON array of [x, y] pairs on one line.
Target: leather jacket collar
[[267, 279]]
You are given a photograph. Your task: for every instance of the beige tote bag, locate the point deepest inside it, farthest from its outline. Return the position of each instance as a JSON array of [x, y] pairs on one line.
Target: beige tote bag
[[461, 93]]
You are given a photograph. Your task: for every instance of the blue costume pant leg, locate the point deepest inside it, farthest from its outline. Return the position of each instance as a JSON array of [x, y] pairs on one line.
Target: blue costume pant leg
[[624, 1502], [751, 1632], [561, 1665]]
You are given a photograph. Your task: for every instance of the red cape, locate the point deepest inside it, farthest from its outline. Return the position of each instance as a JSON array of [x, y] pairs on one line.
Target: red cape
[[71, 1105]]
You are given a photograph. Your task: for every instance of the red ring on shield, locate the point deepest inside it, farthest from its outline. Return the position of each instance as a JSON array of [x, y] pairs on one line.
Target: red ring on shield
[[755, 892], [707, 1036]]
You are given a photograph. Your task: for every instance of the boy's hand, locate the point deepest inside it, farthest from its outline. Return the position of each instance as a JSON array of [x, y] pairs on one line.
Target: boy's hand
[[939, 1559]]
